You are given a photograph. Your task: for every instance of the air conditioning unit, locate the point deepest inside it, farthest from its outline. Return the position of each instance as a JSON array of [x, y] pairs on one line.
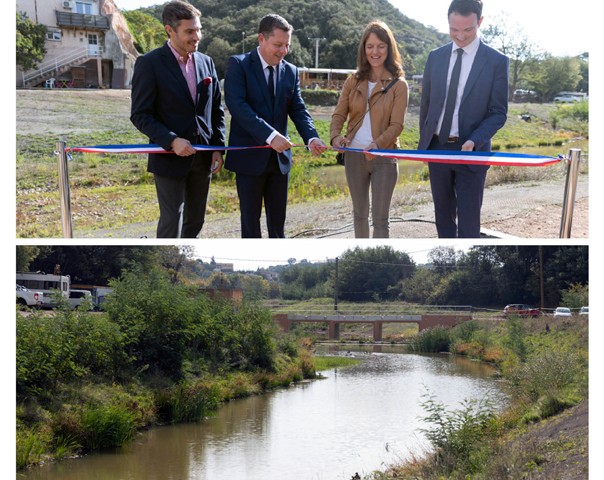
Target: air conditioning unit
[[67, 4]]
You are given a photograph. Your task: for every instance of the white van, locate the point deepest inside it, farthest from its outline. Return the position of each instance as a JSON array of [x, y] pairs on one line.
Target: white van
[[77, 297]]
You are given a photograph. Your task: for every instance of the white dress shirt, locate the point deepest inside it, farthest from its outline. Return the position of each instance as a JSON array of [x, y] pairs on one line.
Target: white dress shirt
[[467, 60]]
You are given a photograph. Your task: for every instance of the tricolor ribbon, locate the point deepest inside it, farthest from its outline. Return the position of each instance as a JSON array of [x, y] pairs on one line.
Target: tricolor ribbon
[[436, 156]]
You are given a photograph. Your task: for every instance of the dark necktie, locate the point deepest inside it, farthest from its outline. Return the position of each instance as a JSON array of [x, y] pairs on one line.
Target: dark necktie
[[445, 129], [271, 85]]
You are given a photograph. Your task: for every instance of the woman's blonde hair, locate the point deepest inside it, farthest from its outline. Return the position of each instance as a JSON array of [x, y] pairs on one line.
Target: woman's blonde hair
[[393, 63]]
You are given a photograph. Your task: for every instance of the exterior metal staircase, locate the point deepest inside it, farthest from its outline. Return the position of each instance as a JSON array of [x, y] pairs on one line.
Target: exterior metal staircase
[[60, 64]]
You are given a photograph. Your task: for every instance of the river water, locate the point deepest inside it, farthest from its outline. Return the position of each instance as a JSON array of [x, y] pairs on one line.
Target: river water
[[357, 419]]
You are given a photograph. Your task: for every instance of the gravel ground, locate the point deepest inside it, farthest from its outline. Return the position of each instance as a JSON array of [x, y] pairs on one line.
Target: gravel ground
[[520, 210]]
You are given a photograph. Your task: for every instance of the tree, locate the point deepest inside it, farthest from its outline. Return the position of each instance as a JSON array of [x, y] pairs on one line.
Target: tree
[[418, 287], [443, 259], [26, 254], [148, 32], [555, 74], [368, 274], [512, 41], [31, 38], [576, 296]]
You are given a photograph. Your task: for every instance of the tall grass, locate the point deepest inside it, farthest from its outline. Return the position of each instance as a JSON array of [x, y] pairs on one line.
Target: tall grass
[[107, 426], [432, 340], [188, 401]]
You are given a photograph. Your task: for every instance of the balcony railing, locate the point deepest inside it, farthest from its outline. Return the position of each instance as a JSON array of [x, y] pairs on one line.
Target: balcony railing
[[68, 19]]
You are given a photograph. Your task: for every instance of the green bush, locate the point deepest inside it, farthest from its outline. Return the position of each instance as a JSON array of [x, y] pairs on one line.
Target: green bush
[[548, 374], [457, 435], [188, 401], [107, 426], [321, 97], [154, 317], [432, 340]]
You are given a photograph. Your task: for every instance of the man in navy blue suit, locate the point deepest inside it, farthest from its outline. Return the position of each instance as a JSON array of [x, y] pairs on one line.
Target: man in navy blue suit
[[176, 103], [261, 91], [464, 117]]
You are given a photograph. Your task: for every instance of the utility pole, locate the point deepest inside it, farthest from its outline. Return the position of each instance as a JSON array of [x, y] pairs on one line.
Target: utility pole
[[335, 289], [317, 40], [541, 286]]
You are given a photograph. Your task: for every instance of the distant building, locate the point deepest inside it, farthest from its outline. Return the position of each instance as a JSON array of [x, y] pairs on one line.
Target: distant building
[[223, 267], [88, 44], [233, 294]]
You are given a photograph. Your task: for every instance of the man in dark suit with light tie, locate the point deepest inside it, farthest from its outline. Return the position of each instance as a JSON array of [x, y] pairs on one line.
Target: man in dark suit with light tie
[[464, 103], [176, 102], [261, 91]]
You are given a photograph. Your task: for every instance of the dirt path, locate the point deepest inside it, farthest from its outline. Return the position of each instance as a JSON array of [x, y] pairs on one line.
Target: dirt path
[[521, 210]]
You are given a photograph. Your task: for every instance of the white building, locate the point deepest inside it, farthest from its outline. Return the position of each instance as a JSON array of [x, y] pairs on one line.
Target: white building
[[88, 44]]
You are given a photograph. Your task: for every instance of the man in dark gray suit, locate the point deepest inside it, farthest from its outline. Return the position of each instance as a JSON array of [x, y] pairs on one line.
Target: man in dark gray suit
[[176, 102], [464, 103]]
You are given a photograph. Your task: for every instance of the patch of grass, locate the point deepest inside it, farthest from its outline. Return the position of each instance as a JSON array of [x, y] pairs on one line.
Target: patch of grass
[[327, 363]]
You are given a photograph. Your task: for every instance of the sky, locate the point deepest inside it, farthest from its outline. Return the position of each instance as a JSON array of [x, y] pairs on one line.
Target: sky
[[557, 26]]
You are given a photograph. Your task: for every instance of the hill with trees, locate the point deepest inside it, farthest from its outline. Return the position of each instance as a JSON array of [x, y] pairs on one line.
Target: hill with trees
[[230, 27]]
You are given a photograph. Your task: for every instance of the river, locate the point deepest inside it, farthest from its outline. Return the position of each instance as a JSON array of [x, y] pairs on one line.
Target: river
[[357, 419]]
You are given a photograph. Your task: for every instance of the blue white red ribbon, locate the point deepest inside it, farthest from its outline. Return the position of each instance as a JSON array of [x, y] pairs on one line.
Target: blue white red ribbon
[[468, 158], [436, 156]]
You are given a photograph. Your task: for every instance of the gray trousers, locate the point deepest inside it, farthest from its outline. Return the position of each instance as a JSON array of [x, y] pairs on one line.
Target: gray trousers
[[379, 174], [182, 200]]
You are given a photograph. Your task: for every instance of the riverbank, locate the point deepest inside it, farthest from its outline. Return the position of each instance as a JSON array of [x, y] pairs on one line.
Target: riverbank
[[543, 434]]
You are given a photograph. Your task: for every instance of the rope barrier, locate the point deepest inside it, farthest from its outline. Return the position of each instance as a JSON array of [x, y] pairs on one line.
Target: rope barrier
[[437, 156]]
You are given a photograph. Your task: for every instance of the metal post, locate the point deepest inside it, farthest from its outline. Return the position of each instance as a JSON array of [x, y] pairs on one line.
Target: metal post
[[64, 190], [317, 40], [572, 175]]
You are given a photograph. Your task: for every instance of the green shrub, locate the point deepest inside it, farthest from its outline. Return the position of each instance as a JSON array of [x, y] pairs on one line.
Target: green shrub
[[188, 401], [548, 374], [107, 426], [320, 97], [64, 346], [154, 317], [432, 340], [458, 435], [29, 447]]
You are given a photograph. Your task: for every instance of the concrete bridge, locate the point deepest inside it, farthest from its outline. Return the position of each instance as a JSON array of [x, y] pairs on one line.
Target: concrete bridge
[[424, 321]]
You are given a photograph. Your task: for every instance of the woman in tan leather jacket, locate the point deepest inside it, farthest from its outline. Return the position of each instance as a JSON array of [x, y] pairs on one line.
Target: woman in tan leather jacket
[[375, 106]]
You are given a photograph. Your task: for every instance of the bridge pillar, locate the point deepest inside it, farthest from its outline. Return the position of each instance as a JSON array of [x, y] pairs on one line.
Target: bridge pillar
[[377, 331], [282, 319], [334, 330]]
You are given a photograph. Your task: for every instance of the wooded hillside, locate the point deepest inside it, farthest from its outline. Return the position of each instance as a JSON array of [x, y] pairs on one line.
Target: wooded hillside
[[230, 27]]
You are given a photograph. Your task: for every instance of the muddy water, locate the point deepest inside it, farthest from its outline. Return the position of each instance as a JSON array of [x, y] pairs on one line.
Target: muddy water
[[358, 419]]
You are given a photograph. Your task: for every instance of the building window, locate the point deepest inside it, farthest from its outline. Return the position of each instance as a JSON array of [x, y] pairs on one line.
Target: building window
[[54, 35], [82, 7]]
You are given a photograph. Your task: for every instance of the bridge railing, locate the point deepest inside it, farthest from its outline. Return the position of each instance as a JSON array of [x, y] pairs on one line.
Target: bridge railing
[[370, 310]]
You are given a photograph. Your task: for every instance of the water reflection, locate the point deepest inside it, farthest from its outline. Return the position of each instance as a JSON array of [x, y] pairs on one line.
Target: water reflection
[[356, 420]]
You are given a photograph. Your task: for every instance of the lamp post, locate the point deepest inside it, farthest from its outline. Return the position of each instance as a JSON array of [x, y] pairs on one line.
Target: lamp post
[[317, 40], [242, 42]]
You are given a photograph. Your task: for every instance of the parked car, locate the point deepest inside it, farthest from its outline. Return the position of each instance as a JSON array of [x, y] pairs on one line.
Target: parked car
[[28, 298], [78, 297], [521, 310], [566, 99], [562, 312], [584, 311]]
